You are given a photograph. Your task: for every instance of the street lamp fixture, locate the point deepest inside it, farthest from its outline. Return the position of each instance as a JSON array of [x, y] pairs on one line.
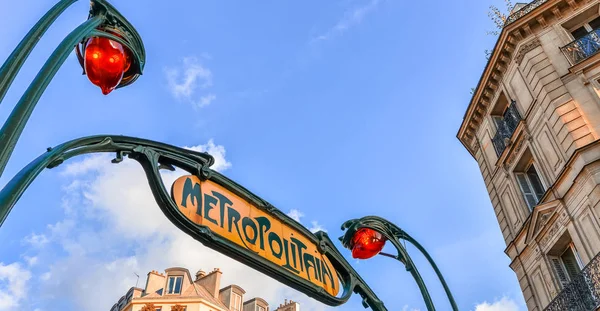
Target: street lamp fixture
[[366, 237], [115, 57], [105, 63], [112, 55], [366, 243]]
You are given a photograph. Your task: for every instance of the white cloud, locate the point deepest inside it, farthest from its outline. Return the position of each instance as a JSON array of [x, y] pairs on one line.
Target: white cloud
[[315, 226], [295, 214], [351, 18], [31, 261], [504, 304], [82, 167], [46, 276], [13, 285], [206, 100], [36, 240], [407, 308], [217, 151], [127, 233], [184, 82]]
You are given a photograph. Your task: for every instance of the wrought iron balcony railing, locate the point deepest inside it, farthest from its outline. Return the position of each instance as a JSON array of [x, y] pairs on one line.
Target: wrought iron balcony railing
[[506, 127], [582, 48], [583, 293], [523, 11]]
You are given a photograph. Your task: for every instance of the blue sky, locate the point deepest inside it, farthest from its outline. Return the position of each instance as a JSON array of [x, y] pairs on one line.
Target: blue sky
[[335, 109]]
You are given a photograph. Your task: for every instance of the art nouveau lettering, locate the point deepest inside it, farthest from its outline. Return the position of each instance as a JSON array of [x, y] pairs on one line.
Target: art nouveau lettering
[[209, 204]]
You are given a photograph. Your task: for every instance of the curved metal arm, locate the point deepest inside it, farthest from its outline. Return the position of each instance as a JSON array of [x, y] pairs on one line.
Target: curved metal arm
[[395, 234], [12, 129], [15, 60], [435, 268], [122, 145], [353, 282], [154, 156]]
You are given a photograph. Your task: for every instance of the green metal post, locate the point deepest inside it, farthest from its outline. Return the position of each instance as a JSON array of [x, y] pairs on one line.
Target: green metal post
[[435, 268], [410, 267], [12, 129], [394, 234], [15, 60], [154, 156]]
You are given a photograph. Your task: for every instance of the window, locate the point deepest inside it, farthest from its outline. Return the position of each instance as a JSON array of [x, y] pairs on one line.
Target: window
[[174, 285], [586, 28], [260, 308], [506, 118], [531, 186], [237, 302], [566, 266]]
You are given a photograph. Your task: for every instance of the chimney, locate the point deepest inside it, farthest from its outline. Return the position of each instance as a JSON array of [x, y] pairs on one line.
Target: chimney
[[200, 274], [211, 281], [155, 282]]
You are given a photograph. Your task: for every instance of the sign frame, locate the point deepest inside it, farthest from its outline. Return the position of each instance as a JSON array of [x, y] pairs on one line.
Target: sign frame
[[155, 156]]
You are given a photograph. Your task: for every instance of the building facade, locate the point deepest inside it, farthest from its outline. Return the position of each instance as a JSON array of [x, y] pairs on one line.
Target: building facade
[[289, 306], [533, 126], [176, 290]]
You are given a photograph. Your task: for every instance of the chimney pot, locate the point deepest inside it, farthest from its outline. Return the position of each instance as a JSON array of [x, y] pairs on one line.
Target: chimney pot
[[200, 274]]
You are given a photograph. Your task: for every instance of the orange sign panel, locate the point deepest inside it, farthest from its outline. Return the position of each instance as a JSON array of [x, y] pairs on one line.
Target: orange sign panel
[[209, 204]]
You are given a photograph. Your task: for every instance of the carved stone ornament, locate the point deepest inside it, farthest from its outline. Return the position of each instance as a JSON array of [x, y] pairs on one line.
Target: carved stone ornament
[[544, 219], [177, 308], [518, 146], [558, 224], [541, 222], [148, 307], [476, 144], [526, 48]]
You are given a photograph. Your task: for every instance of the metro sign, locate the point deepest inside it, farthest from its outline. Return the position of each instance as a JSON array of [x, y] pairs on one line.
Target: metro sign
[[254, 229]]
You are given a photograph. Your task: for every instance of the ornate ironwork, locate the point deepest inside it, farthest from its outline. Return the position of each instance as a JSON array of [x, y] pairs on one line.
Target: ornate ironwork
[[154, 156], [506, 127], [523, 11], [583, 293], [117, 28], [395, 235], [582, 48], [102, 19], [15, 60]]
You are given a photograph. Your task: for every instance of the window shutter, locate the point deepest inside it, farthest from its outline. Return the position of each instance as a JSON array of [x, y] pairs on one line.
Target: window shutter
[[528, 194], [571, 266], [570, 262], [563, 279], [536, 184]]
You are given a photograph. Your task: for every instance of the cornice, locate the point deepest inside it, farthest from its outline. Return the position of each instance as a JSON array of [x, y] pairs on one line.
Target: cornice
[[523, 28]]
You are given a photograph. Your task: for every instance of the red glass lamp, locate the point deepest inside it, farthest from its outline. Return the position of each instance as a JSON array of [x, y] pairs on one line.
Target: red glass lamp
[[105, 62], [366, 243]]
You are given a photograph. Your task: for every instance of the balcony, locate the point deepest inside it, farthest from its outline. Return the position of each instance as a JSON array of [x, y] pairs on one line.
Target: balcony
[[523, 11], [506, 127], [582, 48], [583, 293]]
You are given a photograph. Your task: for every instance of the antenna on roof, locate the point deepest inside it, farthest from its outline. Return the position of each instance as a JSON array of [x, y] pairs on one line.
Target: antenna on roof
[[138, 279]]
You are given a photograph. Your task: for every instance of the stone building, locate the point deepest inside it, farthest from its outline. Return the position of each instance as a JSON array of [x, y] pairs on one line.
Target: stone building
[[176, 290], [289, 306], [533, 125]]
